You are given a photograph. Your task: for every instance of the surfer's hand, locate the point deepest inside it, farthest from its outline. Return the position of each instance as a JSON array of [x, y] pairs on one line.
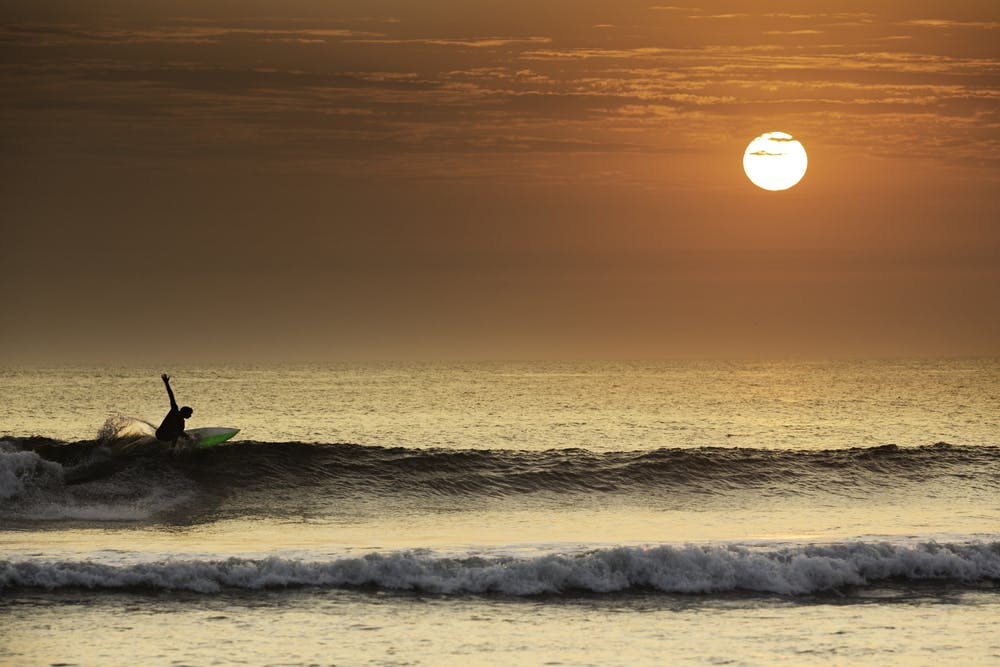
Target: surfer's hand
[[165, 377]]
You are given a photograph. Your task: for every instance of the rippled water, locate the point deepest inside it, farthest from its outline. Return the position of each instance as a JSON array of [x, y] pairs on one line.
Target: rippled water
[[531, 406]]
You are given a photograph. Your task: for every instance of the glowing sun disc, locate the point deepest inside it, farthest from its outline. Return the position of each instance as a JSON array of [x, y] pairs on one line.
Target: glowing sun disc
[[775, 161]]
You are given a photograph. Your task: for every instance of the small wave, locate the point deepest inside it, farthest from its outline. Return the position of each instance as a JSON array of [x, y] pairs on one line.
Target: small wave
[[688, 570], [360, 470], [88, 485], [22, 471], [246, 475]]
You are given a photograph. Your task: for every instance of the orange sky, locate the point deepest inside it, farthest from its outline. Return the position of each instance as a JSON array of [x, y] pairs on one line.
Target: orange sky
[[398, 179]]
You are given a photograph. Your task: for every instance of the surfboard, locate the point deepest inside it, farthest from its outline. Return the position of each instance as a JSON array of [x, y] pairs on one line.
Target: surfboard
[[211, 436]]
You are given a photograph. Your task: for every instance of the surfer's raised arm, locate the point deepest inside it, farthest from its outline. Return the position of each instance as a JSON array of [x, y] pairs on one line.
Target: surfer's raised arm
[[166, 381], [172, 426]]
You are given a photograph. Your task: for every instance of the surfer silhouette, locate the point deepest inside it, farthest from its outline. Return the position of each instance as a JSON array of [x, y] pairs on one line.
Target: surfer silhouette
[[172, 426]]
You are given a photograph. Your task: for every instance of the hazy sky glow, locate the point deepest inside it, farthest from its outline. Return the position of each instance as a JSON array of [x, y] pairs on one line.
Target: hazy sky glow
[[330, 180]]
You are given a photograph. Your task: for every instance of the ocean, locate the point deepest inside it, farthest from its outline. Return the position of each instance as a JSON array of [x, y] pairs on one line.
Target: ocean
[[683, 513]]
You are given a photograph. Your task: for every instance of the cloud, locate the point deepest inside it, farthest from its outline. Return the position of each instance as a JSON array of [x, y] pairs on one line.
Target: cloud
[[794, 32], [471, 42], [813, 16], [50, 34], [465, 92], [950, 23], [590, 53], [720, 16]]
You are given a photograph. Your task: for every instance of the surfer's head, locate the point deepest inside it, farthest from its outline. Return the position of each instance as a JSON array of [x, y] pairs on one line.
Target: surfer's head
[[186, 412]]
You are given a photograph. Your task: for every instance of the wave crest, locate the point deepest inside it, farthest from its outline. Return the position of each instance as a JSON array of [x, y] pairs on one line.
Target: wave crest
[[665, 569], [22, 471], [246, 475]]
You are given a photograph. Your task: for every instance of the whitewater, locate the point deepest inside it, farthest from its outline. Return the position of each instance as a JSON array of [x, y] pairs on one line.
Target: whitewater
[[592, 513]]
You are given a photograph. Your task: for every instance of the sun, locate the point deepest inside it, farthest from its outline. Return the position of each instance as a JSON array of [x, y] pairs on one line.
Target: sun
[[775, 161]]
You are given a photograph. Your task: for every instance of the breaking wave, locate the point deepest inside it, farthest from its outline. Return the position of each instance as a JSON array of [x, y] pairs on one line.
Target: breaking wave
[[46, 479], [21, 470], [453, 471], [680, 570], [90, 485], [43, 479]]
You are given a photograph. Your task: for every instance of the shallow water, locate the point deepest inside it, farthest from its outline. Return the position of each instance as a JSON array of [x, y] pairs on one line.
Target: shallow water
[[373, 628]]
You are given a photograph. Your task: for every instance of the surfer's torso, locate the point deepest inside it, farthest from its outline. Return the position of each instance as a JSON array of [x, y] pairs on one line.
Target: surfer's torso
[[172, 427]]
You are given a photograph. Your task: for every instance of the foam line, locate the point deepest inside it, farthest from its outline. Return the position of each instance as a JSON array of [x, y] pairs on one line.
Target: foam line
[[668, 569]]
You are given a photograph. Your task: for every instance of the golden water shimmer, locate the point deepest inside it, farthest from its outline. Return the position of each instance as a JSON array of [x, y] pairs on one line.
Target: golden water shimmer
[[585, 513]]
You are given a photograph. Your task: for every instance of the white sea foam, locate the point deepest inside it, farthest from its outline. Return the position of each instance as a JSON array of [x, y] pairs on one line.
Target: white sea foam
[[34, 488], [689, 570], [21, 471], [106, 500], [121, 430]]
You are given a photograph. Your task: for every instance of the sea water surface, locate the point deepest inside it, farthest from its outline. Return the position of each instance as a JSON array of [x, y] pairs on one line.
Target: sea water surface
[[744, 513]]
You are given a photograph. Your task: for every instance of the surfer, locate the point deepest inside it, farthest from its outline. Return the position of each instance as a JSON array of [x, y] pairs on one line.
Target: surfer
[[172, 426]]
